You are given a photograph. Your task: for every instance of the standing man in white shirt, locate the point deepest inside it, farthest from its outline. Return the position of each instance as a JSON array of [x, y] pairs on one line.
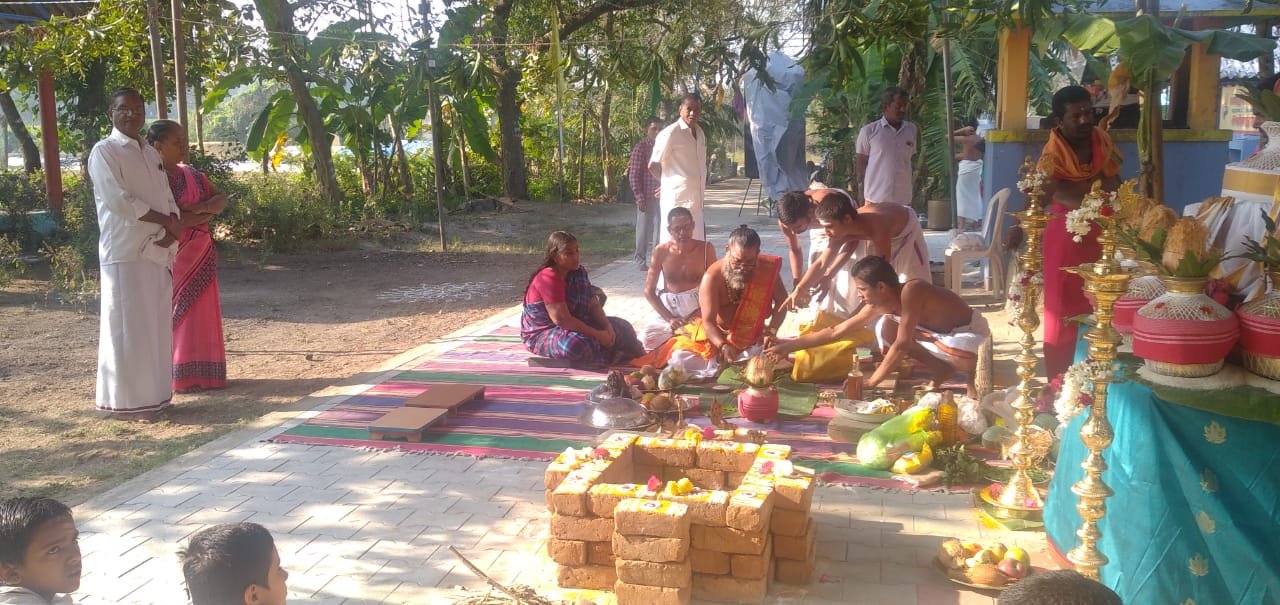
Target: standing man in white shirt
[[138, 224], [679, 162], [884, 151]]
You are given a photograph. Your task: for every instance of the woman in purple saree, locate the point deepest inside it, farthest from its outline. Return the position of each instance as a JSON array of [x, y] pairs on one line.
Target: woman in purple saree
[[199, 355]]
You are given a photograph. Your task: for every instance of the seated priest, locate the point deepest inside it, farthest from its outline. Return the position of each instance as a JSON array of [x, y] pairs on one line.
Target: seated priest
[[736, 296], [563, 318], [917, 319], [826, 275], [676, 269]]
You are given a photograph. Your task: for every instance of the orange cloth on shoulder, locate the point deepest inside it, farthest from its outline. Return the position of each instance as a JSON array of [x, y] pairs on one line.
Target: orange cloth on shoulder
[[1059, 161]]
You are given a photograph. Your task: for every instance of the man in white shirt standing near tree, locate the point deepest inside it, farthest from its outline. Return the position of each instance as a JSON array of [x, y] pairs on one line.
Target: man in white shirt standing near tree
[[884, 152], [138, 225], [679, 161]]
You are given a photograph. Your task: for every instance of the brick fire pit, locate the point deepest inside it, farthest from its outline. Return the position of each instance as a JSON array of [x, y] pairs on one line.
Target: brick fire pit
[[745, 523]]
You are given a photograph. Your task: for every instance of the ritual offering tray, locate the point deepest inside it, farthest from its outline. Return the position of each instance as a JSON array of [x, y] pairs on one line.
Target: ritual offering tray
[[875, 411], [989, 567], [616, 413], [990, 496]]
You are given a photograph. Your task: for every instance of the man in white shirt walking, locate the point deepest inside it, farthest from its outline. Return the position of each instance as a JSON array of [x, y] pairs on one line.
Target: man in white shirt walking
[[679, 162], [884, 152], [138, 224]]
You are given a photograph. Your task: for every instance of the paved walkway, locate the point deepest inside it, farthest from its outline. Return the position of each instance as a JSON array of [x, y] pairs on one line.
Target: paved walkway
[[358, 526]]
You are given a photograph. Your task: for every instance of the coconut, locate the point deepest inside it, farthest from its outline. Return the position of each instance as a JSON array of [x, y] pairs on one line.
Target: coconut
[[1187, 235], [1155, 218]]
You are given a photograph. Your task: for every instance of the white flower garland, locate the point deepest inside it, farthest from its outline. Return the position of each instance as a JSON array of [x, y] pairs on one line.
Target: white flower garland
[[1018, 294], [1075, 382], [1080, 221], [1032, 181]]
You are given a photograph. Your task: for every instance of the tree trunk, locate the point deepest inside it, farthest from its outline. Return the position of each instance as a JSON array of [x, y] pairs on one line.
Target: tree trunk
[[277, 16], [1267, 62], [462, 164], [402, 161], [515, 182], [91, 102], [198, 85], [606, 145], [30, 153], [582, 155]]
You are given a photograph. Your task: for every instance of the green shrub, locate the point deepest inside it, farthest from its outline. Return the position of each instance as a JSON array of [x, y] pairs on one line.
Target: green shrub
[[20, 194], [10, 261], [278, 211], [69, 280]]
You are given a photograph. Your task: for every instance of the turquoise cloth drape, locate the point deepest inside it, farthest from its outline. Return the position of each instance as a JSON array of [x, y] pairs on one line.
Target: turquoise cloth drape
[[1195, 518]]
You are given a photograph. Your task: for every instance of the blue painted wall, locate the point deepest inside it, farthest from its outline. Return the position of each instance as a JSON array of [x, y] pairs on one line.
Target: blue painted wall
[[1192, 169]]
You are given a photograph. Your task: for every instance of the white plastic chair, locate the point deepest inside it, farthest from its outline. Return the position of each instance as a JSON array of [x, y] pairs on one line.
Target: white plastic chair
[[992, 253]]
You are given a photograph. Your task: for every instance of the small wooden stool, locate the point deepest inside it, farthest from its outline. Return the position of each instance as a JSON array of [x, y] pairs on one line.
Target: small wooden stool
[[405, 423], [446, 396]]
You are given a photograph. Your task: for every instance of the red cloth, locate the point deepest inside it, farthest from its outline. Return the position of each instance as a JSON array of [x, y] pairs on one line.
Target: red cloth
[[546, 287], [1063, 292], [199, 354]]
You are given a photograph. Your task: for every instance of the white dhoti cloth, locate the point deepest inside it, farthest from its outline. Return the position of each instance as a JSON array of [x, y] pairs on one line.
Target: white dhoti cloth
[[699, 368], [908, 252], [681, 304], [960, 342], [135, 341], [969, 190], [842, 298]]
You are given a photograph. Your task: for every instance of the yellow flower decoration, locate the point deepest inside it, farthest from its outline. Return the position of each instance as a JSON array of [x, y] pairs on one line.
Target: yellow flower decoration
[[1208, 481], [1198, 565], [1215, 433], [1206, 523], [1189, 601]]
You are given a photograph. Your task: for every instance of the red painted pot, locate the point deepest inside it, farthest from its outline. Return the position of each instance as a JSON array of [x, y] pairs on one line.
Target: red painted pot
[[1260, 332], [1184, 332], [1140, 291], [758, 405]]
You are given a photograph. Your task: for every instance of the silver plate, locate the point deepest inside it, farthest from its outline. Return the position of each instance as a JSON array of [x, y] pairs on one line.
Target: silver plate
[[616, 413], [600, 393]]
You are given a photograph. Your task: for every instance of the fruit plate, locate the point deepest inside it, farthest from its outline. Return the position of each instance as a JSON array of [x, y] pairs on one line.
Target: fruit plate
[[957, 576], [686, 404]]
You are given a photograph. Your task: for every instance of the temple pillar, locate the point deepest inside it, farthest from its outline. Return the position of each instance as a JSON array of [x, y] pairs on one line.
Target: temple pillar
[[1011, 78]]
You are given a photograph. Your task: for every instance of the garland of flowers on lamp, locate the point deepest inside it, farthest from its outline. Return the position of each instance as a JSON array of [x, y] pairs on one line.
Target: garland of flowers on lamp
[[1032, 181]]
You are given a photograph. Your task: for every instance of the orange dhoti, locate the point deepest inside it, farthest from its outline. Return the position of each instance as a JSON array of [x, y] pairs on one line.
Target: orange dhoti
[[690, 345]]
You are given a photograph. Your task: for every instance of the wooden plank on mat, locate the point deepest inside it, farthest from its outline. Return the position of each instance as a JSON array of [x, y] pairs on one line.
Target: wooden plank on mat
[[446, 396], [405, 423]]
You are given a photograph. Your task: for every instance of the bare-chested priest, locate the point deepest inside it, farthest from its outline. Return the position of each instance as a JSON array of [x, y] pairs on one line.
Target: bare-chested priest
[[679, 264], [917, 319], [891, 231]]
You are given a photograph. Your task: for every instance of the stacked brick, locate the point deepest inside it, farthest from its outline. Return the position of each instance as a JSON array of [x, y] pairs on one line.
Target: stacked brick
[[746, 525], [580, 539], [651, 546]]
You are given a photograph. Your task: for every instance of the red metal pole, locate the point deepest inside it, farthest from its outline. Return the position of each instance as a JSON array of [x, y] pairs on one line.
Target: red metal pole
[[49, 137]]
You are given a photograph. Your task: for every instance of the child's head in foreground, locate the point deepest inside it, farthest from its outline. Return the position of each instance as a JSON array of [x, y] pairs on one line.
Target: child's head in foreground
[[39, 546], [1058, 587], [234, 564]]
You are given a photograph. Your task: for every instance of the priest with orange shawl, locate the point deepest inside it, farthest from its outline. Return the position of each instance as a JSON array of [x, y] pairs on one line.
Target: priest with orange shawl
[[737, 295], [1076, 155]]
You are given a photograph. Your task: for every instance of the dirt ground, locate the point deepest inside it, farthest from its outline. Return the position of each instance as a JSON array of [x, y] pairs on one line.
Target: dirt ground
[[293, 324]]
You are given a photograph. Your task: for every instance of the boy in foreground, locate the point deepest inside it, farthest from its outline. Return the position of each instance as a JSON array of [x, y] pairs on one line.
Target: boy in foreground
[[39, 552], [234, 564]]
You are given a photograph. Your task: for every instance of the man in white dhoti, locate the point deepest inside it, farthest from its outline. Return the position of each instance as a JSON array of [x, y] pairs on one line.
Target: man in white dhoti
[[679, 162], [891, 231], [671, 285], [969, 179], [916, 319], [138, 222]]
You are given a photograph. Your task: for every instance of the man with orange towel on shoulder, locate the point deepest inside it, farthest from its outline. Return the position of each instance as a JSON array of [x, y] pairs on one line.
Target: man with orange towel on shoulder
[[1076, 156]]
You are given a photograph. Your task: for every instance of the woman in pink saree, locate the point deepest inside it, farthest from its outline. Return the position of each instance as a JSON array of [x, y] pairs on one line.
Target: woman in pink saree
[[199, 355]]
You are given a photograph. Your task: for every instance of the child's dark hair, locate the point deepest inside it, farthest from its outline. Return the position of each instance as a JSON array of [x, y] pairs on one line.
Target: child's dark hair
[[793, 206], [833, 208], [1058, 587], [220, 562], [19, 520]]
